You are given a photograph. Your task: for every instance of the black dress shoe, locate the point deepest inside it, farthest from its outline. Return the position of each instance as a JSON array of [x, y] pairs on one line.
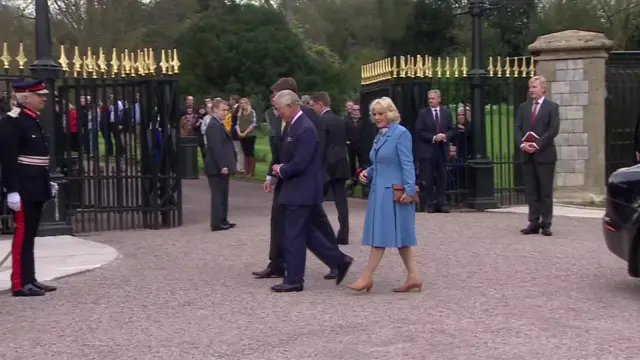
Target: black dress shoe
[[229, 224], [220, 228], [531, 229], [29, 290], [546, 231], [343, 269], [431, 209], [332, 275], [269, 273], [285, 288], [44, 287], [444, 209]]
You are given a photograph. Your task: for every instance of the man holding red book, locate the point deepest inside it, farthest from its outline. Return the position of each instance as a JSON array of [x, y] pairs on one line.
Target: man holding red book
[[537, 124]]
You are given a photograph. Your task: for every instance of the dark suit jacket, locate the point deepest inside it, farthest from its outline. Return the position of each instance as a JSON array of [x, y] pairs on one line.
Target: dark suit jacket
[[220, 151], [337, 162], [426, 129], [321, 133], [302, 174], [546, 126]]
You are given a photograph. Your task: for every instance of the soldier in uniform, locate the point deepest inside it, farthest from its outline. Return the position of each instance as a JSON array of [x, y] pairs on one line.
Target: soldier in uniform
[[24, 156]]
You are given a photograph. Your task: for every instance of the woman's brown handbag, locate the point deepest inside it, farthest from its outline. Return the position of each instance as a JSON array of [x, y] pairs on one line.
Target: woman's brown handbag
[[398, 191]]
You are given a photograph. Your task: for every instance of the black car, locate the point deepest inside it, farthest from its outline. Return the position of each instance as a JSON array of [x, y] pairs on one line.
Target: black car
[[621, 221]]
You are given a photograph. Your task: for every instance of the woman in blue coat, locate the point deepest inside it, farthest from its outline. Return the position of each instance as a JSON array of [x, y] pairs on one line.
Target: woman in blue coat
[[389, 224]]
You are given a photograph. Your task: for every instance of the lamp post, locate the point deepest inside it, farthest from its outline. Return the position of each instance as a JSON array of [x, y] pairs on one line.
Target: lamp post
[[480, 167], [54, 217]]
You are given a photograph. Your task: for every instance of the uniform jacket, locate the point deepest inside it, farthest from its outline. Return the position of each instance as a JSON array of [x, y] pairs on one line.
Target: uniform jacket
[[22, 135]]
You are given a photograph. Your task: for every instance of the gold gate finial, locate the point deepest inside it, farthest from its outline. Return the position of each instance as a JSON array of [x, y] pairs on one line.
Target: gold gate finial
[[77, 62], [21, 58], [176, 63], [102, 62], [64, 62], [5, 58]]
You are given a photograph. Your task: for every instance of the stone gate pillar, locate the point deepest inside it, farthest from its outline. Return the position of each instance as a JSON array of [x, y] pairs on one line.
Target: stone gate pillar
[[573, 62]]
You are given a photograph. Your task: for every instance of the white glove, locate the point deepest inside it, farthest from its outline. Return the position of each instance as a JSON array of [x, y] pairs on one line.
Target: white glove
[[13, 201], [54, 189]]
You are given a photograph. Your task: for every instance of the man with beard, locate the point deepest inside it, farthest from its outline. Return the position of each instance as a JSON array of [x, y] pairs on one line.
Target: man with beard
[[318, 217]]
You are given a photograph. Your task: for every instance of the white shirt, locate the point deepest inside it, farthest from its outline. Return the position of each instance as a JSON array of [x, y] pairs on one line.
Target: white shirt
[[433, 112], [296, 117], [539, 104], [537, 109], [271, 178]]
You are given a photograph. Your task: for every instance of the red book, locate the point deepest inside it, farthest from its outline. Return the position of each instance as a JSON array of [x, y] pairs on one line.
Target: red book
[[530, 137]]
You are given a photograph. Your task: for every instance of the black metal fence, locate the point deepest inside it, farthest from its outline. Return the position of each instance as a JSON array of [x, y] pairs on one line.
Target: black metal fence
[[622, 109], [506, 88], [117, 141]]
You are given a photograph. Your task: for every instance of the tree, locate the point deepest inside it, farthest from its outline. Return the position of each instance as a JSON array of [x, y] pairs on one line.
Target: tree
[[245, 48]]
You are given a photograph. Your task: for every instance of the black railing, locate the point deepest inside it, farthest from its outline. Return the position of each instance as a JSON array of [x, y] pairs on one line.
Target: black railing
[[504, 92], [622, 109], [118, 150]]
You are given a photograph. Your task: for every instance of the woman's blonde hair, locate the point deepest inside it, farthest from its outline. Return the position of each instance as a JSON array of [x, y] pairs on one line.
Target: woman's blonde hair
[[249, 109], [390, 109]]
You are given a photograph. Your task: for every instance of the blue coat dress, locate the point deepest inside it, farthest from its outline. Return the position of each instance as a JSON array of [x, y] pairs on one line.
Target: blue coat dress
[[389, 224]]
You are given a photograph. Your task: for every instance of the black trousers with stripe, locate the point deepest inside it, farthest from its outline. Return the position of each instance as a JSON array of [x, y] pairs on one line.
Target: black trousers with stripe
[[23, 270]]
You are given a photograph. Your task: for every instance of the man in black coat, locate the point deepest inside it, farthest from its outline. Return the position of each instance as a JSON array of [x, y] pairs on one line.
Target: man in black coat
[[319, 218], [337, 163]]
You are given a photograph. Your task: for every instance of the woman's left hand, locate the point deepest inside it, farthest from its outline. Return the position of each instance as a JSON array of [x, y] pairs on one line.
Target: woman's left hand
[[405, 199]]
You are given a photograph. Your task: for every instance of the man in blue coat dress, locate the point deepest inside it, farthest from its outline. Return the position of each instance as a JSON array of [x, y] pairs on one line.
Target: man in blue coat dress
[[302, 176]]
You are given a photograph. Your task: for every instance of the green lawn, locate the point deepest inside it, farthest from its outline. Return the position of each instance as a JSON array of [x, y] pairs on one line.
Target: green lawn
[[500, 147], [500, 128]]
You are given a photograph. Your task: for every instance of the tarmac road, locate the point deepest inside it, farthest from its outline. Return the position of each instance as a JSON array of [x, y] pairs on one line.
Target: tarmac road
[[187, 293]]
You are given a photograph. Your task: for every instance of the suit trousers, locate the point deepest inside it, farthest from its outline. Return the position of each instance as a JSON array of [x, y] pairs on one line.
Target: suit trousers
[[219, 188], [318, 219], [356, 160], [433, 173], [27, 220], [300, 234], [337, 187], [538, 190], [240, 156]]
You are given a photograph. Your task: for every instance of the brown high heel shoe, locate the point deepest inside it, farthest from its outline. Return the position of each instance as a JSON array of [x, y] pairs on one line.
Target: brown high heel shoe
[[408, 286], [360, 288]]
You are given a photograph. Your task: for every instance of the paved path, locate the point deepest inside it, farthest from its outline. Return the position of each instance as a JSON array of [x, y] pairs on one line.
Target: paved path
[[185, 293], [60, 256], [559, 210]]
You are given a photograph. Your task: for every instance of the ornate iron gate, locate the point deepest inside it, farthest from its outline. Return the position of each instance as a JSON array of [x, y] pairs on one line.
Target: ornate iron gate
[[622, 108], [117, 136], [407, 81]]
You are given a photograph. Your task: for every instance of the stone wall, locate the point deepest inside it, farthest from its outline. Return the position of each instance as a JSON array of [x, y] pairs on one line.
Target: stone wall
[[573, 62]]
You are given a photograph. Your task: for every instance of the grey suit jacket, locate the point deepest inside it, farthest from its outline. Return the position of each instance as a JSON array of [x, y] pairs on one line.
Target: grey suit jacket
[[274, 122], [220, 150], [546, 126]]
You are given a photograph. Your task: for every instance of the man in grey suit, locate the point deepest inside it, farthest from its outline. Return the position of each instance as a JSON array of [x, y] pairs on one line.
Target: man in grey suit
[[220, 163], [540, 116]]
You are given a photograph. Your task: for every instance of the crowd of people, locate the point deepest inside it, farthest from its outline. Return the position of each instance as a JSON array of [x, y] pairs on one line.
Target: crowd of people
[[309, 156]]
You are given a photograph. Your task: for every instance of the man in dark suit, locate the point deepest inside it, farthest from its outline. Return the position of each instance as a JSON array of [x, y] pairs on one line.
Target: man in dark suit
[[302, 175], [434, 129], [318, 217], [337, 164], [219, 164], [541, 117]]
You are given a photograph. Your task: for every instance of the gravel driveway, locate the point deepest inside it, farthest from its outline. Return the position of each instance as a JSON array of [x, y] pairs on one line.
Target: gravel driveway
[[186, 293]]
